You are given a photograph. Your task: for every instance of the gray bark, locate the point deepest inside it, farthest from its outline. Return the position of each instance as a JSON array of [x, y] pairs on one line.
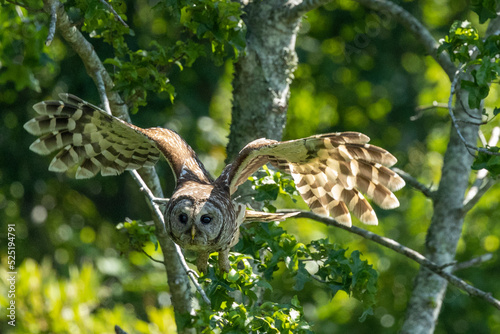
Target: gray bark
[[445, 229], [263, 74]]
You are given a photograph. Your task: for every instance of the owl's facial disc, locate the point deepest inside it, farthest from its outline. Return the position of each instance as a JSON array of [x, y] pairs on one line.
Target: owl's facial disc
[[208, 221], [195, 224]]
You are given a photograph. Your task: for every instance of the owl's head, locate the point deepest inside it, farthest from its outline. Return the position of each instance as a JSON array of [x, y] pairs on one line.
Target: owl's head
[[200, 217]]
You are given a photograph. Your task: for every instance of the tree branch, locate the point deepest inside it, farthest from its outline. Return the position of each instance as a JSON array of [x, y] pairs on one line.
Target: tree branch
[[175, 267], [94, 66], [153, 201], [419, 111], [473, 262], [117, 17], [53, 22], [408, 252], [152, 258], [416, 28], [476, 194], [414, 183]]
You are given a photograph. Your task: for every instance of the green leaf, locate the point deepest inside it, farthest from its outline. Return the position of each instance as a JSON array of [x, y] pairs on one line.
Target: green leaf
[[485, 9], [488, 161], [267, 192], [301, 277], [476, 92]]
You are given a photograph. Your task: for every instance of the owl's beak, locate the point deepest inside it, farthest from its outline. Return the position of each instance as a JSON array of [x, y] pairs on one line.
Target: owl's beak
[[193, 232]]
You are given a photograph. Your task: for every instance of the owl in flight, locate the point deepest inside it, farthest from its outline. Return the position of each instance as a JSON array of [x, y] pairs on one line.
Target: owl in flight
[[330, 172]]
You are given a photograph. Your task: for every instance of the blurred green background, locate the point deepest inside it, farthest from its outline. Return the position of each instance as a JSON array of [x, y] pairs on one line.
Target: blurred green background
[[358, 71]]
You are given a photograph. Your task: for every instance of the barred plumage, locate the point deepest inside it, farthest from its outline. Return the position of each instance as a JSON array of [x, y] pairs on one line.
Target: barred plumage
[[331, 171]]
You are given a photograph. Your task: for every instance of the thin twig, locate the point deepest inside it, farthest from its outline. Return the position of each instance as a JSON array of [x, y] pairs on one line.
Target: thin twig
[[318, 279], [466, 109], [469, 146], [479, 188], [419, 111], [156, 209], [117, 17], [161, 201], [434, 105], [473, 262], [471, 122], [152, 258], [149, 194], [477, 193], [408, 252], [450, 110], [53, 22], [414, 183]]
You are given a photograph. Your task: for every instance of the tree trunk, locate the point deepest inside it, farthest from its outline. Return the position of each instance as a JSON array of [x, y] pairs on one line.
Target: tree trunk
[[261, 84], [446, 224], [445, 229]]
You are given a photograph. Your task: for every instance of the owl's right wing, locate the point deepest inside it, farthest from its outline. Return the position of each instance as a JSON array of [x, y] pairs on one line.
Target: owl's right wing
[[331, 172], [88, 137]]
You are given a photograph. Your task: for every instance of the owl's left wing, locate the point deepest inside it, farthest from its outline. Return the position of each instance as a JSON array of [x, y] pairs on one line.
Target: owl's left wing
[[331, 171]]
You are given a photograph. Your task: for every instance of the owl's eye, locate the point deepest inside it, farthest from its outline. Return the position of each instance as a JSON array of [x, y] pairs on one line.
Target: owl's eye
[[205, 219], [183, 218]]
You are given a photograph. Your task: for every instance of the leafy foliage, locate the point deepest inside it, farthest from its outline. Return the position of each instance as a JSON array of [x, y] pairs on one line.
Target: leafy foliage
[[488, 161], [269, 184], [21, 46], [46, 303], [485, 9], [216, 22], [479, 57], [211, 28], [138, 234]]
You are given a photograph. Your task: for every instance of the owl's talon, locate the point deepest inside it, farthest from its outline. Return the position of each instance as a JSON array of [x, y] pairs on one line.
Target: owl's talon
[[202, 262]]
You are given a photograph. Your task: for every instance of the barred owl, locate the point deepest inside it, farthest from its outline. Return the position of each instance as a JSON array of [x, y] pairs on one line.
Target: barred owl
[[331, 171]]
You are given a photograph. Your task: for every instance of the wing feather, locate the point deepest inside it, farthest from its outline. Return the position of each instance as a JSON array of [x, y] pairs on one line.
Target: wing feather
[[88, 137], [331, 171]]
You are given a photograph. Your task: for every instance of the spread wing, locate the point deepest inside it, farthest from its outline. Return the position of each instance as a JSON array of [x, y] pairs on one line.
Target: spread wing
[[331, 172], [88, 137]]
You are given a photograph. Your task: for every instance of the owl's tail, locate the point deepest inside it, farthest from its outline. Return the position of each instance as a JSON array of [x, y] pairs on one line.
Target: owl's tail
[[259, 216]]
